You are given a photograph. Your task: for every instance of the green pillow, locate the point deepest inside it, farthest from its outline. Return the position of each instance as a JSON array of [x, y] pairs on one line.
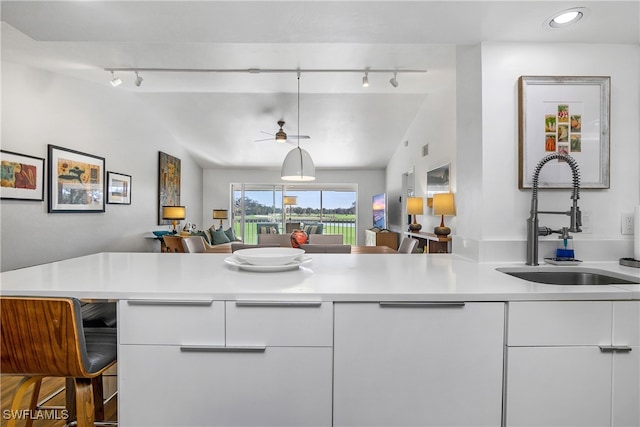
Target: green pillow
[[203, 234], [230, 234], [219, 236]]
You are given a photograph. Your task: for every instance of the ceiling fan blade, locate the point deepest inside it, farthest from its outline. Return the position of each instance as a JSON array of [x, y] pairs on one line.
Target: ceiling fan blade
[[298, 137], [263, 140], [267, 133]]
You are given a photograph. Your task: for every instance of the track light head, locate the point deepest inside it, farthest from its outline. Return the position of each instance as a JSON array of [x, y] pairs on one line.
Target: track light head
[[139, 80], [115, 81], [365, 80], [394, 80]]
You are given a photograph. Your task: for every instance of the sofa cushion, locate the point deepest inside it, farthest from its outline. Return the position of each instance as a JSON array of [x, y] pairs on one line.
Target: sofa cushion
[[218, 236], [205, 236], [231, 235]]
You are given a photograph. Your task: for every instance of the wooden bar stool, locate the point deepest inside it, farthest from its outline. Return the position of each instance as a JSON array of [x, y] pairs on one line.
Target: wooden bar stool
[[44, 337]]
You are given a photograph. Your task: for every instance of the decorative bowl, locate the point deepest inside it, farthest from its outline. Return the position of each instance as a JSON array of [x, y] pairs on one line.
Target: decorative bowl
[[161, 233], [298, 237]]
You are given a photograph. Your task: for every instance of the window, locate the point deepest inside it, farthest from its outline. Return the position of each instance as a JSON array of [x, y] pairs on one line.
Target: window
[[259, 208]]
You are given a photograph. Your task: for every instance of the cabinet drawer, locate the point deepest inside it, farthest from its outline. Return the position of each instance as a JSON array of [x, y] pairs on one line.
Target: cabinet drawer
[[559, 323], [171, 322], [273, 323], [280, 386]]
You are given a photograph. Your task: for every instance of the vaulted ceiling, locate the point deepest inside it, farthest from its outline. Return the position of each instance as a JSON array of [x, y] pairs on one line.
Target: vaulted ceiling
[[217, 116]]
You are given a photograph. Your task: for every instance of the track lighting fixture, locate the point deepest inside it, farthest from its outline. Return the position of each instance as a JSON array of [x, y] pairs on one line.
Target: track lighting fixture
[[115, 81], [365, 79], [394, 80]]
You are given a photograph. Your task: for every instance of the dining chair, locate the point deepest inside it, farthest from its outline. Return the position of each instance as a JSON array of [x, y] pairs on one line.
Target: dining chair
[[326, 249], [326, 239], [407, 245], [44, 337], [194, 244], [291, 226], [173, 244], [274, 239]]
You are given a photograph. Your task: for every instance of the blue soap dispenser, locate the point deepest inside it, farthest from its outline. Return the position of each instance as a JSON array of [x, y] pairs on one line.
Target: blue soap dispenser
[[565, 246]]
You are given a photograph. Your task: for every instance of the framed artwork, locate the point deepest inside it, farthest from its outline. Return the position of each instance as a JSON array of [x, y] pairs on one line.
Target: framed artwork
[[21, 176], [118, 188], [168, 184], [437, 182], [76, 181], [566, 115]]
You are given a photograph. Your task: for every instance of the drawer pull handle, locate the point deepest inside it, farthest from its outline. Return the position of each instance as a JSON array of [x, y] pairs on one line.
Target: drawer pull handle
[[409, 304], [222, 349], [614, 348], [191, 303], [278, 303]]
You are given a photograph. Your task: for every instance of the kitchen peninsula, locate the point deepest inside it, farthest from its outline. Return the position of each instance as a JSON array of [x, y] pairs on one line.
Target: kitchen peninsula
[[357, 340]]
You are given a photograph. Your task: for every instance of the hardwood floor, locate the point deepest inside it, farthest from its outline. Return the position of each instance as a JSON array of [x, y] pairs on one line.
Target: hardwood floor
[[55, 417]]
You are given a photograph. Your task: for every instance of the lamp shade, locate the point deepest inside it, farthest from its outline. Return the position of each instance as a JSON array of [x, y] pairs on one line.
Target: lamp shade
[[220, 214], [298, 166], [290, 200], [415, 206], [174, 212], [443, 204]]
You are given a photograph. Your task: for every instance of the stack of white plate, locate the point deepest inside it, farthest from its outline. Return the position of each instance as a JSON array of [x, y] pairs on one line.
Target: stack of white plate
[[268, 259]]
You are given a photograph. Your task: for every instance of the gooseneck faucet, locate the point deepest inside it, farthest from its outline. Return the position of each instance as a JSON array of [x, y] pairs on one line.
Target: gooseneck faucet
[[533, 230]]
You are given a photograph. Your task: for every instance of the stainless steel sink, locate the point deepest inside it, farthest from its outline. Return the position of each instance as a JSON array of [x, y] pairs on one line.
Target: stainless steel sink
[[574, 276]]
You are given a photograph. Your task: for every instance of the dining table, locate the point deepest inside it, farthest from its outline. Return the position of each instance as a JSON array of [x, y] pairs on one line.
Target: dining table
[[226, 249]]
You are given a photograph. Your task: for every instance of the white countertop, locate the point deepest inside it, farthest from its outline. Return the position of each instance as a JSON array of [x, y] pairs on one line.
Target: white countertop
[[328, 277]]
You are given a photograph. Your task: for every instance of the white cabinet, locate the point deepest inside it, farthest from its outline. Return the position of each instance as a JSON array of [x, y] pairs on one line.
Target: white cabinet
[[573, 363], [418, 364], [264, 371]]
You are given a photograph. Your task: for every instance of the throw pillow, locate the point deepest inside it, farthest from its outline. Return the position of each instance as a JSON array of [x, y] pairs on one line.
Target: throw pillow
[[219, 237], [230, 234], [203, 234]]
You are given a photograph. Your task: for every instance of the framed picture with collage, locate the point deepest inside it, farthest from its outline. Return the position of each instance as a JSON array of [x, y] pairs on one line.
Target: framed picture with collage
[[568, 115]]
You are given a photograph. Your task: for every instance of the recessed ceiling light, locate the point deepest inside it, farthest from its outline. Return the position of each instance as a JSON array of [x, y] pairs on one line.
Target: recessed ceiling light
[[566, 17]]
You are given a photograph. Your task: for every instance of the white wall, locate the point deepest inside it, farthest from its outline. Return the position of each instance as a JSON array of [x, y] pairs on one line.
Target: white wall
[[490, 224], [435, 125], [505, 208], [216, 185], [40, 108]]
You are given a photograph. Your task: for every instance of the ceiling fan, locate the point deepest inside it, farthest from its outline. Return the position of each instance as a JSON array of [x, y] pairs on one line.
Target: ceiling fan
[[281, 135]]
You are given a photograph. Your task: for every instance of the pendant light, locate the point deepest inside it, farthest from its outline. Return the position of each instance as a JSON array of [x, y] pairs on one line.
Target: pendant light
[[298, 165]]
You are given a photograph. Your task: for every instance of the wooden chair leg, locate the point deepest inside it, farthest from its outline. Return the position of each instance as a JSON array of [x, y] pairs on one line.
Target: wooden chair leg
[[21, 389], [84, 402], [98, 397], [34, 401], [70, 399]]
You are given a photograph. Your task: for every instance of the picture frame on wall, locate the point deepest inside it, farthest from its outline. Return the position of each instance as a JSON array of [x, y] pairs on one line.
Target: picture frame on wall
[[169, 176], [21, 177], [438, 181], [76, 181], [565, 115], [118, 188]]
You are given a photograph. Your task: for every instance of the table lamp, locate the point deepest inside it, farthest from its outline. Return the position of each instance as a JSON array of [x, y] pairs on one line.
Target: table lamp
[[415, 207], [220, 214], [175, 214], [290, 201], [443, 204]]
